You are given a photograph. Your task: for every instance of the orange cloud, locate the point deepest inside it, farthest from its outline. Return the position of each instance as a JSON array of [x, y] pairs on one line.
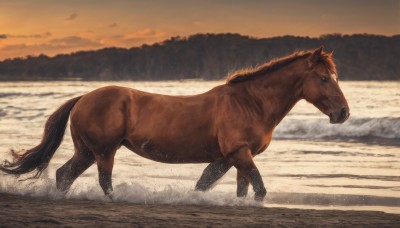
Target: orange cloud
[[68, 44], [73, 41], [144, 36], [36, 36], [52, 47], [71, 17], [199, 23], [112, 25]]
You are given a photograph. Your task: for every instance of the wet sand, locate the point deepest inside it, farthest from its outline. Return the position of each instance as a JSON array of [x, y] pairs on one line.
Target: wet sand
[[22, 211]]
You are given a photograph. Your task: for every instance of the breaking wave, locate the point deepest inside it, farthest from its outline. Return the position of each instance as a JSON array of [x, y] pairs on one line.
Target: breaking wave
[[388, 128]]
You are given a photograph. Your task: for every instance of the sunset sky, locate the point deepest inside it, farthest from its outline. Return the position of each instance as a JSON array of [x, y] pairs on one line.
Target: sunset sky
[[31, 27]]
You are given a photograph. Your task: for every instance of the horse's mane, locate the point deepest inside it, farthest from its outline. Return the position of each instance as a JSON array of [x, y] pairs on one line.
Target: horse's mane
[[273, 65]]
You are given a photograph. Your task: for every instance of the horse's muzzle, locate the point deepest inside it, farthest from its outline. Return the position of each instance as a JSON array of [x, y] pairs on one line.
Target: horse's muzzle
[[340, 116]]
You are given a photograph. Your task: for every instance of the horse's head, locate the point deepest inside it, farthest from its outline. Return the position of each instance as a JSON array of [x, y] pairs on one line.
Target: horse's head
[[321, 87]]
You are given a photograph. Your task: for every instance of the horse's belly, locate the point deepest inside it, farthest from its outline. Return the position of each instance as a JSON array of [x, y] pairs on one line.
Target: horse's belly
[[173, 152]]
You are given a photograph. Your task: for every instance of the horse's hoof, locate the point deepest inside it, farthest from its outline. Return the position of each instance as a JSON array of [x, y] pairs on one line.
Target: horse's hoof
[[110, 196], [259, 196], [201, 187]]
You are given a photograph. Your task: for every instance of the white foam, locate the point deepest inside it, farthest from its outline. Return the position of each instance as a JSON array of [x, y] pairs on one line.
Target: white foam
[[132, 192]]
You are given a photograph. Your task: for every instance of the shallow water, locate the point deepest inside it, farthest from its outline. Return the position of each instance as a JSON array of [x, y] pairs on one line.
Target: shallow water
[[309, 164]]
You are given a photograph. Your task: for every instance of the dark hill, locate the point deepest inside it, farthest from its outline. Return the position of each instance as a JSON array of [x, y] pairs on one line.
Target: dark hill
[[209, 56]]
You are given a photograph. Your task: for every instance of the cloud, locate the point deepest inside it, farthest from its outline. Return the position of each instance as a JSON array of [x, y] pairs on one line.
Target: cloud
[[71, 17], [52, 47], [58, 45], [113, 25], [42, 35], [36, 36], [144, 36], [73, 41], [199, 23]]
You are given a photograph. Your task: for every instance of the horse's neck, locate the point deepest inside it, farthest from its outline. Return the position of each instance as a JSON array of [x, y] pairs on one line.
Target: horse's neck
[[277, 93]]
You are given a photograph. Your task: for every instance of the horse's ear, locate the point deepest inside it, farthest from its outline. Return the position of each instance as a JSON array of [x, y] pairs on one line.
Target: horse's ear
[[315, 56]]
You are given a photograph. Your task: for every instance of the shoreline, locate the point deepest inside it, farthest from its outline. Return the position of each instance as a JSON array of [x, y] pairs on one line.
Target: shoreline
[[20, 211]]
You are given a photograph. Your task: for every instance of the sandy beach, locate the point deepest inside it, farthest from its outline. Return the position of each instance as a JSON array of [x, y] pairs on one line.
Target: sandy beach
[[22, 211]]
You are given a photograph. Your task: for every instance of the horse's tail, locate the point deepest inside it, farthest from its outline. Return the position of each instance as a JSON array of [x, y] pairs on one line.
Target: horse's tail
[[39, 157]]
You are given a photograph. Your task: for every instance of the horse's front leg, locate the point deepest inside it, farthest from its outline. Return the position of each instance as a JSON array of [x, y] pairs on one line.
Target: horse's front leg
[[213, 172], [242, 159]]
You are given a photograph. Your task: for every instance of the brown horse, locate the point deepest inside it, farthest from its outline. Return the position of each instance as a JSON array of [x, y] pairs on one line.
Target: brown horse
[[226, 126]]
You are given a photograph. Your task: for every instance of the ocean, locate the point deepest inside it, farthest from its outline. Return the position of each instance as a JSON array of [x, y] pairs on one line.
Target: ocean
[[309, 163]]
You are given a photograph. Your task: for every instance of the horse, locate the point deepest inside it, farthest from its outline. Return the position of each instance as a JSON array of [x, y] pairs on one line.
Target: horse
[[226, 126]]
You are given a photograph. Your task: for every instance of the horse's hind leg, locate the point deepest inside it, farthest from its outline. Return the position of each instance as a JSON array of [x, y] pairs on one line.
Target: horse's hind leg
[[242, 185], [213, 172], [105, 163], [82, 159]]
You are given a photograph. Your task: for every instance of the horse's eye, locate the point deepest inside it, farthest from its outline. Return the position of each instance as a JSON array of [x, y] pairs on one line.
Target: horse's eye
[[324, 79]]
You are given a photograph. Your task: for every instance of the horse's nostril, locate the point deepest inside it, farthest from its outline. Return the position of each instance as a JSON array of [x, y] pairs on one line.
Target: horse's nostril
[[343, 112]]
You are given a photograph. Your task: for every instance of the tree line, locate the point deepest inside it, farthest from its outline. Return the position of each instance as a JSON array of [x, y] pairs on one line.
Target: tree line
[[209, 57]]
